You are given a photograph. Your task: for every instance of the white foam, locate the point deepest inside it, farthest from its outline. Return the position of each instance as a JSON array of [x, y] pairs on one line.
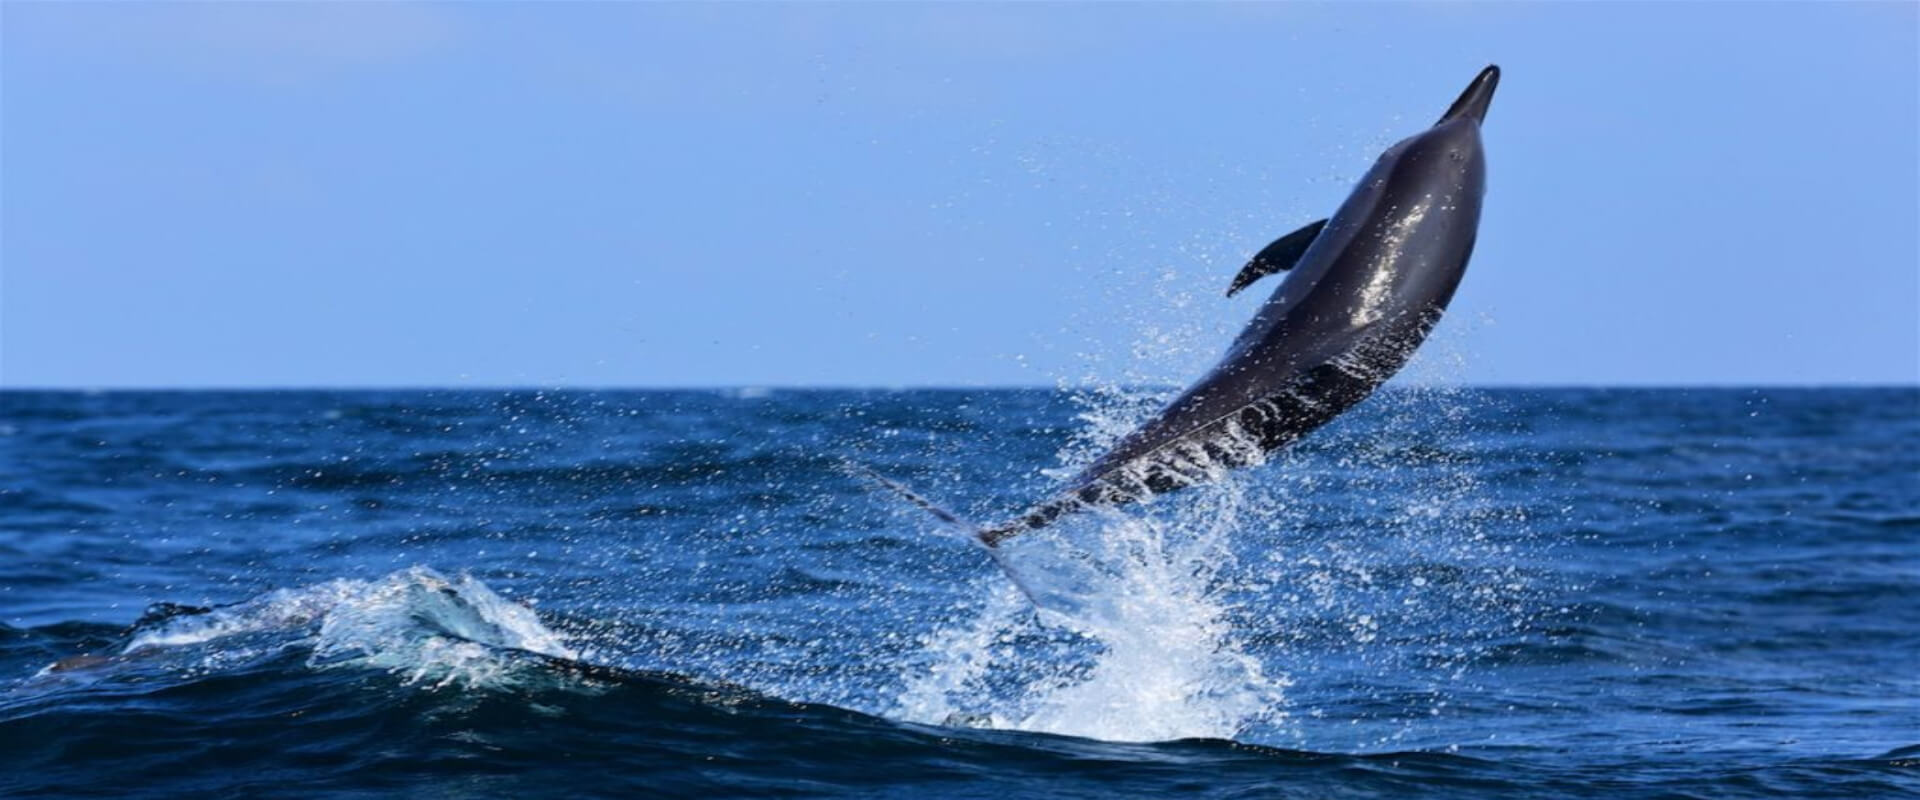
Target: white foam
[[1167, 663], [415, 622], [1133, 643]]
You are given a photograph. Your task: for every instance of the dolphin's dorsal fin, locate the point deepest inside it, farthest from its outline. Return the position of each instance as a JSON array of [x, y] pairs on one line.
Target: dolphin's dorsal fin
[[1279, 256]]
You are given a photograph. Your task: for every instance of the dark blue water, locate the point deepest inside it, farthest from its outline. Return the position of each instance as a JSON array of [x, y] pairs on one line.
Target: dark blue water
[[1445, 594]]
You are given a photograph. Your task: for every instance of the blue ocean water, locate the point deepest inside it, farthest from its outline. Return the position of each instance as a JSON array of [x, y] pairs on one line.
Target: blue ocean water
[[1451, 593]]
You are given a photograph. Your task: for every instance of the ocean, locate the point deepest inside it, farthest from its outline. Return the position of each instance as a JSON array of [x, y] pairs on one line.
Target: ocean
[[1502, 593]]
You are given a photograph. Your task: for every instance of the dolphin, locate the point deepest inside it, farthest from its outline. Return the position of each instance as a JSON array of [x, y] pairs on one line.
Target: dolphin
[[1362, 290]]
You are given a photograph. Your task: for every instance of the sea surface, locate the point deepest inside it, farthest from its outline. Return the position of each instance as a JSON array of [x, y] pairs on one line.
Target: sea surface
[[1446, 593]]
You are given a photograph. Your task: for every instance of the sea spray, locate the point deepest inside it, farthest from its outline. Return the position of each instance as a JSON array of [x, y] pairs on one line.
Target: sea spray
[[415, 623], [1188, 615], [1413, 586], [958, 666], [1132, 640], [1167, 662]]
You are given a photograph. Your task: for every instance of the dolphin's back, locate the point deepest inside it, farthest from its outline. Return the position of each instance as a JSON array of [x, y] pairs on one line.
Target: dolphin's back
[[1199, 439]]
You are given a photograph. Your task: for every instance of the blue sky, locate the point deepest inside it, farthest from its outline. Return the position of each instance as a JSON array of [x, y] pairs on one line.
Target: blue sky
[[612, 194]]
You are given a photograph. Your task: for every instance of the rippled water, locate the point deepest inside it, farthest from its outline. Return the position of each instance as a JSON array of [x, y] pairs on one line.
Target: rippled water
[[1446, 593]]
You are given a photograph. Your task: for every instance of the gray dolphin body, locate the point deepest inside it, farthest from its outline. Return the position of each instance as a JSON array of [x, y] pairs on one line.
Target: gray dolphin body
[[1363, 289]]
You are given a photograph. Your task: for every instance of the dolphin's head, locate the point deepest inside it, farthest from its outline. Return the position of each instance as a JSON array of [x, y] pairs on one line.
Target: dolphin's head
[[1457, 132], [1449, 156], [1474, 101]]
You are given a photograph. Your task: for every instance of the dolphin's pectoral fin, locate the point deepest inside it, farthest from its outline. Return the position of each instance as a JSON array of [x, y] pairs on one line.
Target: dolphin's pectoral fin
[[1279, 256]]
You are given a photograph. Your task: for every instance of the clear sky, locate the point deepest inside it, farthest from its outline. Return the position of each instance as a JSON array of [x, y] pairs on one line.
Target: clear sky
[[611, 194]]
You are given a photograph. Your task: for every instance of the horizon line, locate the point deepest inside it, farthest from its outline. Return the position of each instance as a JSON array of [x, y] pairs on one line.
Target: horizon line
[[881, 387]]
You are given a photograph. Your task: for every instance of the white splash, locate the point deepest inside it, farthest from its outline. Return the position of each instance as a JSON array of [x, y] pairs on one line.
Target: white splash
[[1134, 642], [1167, 664], [416, 623]]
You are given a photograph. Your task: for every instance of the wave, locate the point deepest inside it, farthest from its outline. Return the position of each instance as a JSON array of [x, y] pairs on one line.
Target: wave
[[355, 685]]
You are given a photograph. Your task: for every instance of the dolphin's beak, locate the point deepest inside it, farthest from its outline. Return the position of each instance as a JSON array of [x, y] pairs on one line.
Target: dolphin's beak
[[1474, 101]]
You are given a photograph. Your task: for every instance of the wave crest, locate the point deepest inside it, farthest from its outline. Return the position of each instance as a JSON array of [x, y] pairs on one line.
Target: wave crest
[[415, 622]]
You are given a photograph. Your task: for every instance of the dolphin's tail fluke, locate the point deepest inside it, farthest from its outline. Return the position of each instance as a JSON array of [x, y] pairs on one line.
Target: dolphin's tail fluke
[[985, 537]]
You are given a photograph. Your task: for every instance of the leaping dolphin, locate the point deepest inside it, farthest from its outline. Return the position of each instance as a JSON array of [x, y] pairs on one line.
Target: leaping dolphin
[[1362, 291]]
